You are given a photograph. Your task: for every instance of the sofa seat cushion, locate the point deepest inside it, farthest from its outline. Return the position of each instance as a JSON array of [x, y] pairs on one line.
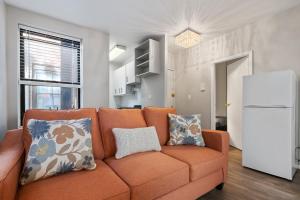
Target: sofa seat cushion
[[101, 183], [150, 174], [202, 161]]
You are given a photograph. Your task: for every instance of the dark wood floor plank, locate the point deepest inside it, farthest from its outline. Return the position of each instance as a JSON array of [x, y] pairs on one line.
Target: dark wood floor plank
[[248, 184]]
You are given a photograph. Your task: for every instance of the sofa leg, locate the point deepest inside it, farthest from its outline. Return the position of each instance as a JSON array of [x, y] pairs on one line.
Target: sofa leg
[[220, 186]]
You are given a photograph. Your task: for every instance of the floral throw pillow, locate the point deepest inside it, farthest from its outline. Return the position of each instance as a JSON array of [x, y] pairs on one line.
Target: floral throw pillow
[[57, 147], [185, 130]]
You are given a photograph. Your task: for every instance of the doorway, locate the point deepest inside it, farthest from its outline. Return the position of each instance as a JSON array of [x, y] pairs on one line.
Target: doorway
[[226, 95]]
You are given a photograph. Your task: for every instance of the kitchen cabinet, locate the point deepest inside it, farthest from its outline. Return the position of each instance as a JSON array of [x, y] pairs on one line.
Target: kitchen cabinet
[[123, 80], [147, 58], [131, 78], [119, 81]]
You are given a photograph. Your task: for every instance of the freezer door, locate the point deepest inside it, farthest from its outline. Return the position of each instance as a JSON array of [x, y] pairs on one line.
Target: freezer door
[[273, 89], [267, 140]]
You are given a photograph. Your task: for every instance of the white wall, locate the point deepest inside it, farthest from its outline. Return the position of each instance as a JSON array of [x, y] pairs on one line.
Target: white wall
[[3, 115], [275, 43], [95, 58]]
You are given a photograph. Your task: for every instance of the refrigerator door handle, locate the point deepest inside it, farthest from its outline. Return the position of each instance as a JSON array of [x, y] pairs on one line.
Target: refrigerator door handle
[[263, 106]]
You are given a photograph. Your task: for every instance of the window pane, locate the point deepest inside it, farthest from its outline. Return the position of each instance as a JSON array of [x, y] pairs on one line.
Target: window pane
[[44, 97], [49, 58], [45, 73]]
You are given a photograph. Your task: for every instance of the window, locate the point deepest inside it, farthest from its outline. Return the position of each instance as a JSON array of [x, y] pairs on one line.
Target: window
[[50, 76]]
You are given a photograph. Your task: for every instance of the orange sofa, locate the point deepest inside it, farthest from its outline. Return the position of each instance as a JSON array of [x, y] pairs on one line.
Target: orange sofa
[[177, 172]]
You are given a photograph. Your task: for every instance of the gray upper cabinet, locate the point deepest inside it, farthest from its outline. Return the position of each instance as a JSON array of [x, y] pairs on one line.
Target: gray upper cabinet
[[147, 58]]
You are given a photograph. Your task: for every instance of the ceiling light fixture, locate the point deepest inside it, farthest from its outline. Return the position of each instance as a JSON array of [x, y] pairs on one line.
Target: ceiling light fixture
[[116, 51], [187, 38]]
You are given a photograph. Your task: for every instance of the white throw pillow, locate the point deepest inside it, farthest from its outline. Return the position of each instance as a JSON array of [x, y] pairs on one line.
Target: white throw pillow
[[130, 141]]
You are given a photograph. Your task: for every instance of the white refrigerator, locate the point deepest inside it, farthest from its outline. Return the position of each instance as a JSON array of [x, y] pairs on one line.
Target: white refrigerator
[[270, 129]]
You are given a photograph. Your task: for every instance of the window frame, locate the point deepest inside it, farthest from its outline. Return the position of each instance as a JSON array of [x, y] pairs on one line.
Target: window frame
[[23, 83]]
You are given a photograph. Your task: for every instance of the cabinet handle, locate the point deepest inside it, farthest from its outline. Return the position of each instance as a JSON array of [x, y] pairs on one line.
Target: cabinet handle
[[126, 79]]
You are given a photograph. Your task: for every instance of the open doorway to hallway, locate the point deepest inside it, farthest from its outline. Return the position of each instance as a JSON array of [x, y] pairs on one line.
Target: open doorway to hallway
[[227, 95]]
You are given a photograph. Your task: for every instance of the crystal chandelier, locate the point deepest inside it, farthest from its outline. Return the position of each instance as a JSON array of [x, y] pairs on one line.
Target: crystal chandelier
[[187, 38]]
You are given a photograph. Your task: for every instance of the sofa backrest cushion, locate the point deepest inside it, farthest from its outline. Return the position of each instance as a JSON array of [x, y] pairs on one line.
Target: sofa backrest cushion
[[66, 115], [158, 117], [117, 118]]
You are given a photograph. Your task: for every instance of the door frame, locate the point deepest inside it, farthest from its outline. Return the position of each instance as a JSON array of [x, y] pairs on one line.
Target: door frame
[[248, 54]]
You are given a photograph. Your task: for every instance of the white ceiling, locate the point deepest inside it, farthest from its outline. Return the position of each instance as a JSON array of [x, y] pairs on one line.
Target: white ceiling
[[130, 21]]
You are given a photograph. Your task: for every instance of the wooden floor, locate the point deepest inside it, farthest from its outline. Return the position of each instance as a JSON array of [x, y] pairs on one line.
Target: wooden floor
[[244, 183]]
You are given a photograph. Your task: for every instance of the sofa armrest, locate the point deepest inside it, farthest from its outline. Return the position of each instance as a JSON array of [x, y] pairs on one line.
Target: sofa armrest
[[11, 157], [219, 141]]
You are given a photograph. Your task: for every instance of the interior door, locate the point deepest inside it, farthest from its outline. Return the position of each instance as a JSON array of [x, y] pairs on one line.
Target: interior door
[[235, 72], [170, 88]]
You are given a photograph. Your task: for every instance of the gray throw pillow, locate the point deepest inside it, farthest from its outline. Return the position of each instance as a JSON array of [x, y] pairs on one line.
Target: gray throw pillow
[[130, 141]]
